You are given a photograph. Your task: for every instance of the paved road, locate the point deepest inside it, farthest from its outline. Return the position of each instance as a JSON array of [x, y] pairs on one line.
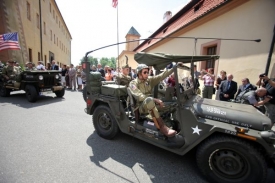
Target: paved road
[[53, 140]]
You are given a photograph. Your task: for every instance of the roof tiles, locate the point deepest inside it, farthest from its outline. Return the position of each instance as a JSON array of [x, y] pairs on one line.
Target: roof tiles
[[188, 14]]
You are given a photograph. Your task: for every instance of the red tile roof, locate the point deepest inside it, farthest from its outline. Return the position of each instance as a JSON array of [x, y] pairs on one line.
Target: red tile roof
[[187, 15]]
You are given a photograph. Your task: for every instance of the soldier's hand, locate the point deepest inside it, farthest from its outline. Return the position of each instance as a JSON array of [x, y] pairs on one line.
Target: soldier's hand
[[158, 101]]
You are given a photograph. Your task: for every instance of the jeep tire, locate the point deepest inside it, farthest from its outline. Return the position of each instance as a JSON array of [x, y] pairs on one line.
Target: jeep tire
[[229, 159], [60, 93], [104, 122], [4, 92], [31, 93]]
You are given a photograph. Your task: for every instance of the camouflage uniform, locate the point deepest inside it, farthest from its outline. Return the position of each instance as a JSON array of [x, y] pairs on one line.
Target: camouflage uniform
[[121, 79], [30, 69], [142, 92], [11, 71]]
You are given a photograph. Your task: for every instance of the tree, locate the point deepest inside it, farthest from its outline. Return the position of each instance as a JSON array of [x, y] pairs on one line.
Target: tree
[[111, 62], [93, 61]]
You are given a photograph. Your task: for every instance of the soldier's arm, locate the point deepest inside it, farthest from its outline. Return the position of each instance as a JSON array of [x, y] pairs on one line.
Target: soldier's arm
[[5, 73], [118, 80], [137, 94], [156, 79]]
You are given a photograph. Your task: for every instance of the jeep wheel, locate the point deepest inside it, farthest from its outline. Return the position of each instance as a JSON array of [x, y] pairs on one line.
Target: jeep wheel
[[31, 93], [60, 93], [229, 159], [4, 92], [84, 93], [104, 122]]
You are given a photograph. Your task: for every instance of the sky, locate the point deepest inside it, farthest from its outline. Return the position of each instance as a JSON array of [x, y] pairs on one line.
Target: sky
[[94, 23]]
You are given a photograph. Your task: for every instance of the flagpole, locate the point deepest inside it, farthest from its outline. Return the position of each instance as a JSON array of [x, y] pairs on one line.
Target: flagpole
[[117, 37]]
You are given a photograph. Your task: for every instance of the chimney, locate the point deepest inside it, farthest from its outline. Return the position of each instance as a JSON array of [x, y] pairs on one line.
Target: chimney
[[167, 15]]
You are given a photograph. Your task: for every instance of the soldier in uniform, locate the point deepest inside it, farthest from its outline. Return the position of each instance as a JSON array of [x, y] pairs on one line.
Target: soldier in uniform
[[30, 67], [124, 78], [10, 72], [141, 89]]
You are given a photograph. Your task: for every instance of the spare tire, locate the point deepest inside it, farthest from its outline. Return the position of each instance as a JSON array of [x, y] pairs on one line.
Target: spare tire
[[84, 93]]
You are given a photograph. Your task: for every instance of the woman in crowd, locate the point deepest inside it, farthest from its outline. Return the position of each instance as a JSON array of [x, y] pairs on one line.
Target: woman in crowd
[[67, 79], [108, 75], [63, 75], [78, 76], [219, 79], [48, 66], [209, 79], [83, 77]]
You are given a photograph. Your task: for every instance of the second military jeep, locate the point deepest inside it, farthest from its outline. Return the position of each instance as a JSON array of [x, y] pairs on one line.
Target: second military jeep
[[233, 142], [34, 83]]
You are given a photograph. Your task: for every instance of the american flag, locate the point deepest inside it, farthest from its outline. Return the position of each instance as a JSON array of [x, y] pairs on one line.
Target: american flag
[[9, 41], [114, 3]]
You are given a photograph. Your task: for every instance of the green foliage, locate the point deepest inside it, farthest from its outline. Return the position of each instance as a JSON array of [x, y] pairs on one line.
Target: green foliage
[[93, 61], [111, 62]]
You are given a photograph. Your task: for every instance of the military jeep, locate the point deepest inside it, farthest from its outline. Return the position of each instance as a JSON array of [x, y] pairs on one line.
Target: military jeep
[[234, 142], [34, 83]]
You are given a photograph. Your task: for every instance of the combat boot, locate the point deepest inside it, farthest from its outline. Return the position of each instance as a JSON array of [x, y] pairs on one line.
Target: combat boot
[[164, 129]]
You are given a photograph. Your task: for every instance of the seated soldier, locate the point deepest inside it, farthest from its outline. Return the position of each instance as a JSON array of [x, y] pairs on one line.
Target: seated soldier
[[123, 78], [30, 67], [141, 89], [11, 73]]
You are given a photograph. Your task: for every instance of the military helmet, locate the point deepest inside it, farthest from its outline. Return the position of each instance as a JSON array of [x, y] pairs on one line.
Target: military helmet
[[141, 66]]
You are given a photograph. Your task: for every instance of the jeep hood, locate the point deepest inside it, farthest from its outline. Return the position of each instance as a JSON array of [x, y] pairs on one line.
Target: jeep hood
[[232, 113], [161, 60]]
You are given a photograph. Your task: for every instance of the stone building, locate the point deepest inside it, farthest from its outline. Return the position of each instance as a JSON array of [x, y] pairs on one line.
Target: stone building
[[43, 34]]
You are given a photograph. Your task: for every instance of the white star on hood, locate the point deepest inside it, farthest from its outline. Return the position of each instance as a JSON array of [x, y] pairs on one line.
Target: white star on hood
[[196, 130]]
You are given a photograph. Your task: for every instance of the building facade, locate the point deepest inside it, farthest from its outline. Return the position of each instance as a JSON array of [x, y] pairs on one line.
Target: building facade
[[43, 34], [130, 45], [229, 19]]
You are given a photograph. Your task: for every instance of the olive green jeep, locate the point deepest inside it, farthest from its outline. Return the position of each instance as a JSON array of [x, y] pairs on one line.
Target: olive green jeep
[[34, 83], [234, 142]]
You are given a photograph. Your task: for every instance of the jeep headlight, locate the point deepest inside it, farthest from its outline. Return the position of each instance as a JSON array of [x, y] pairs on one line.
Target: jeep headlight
[[56, 76], [40, 77]]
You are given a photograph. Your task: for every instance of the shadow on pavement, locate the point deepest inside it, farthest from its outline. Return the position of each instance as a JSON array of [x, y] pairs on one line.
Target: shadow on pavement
[[159, 165], [19, 99]]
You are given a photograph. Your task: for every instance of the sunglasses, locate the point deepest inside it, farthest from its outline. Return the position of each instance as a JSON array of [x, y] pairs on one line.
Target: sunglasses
[[145, 72]]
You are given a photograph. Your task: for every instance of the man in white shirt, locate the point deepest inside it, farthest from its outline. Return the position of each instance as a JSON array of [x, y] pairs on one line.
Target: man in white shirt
[[40, 66]]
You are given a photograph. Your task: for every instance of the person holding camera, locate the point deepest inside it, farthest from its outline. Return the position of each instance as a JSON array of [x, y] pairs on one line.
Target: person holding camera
[[209, 79], [269, 102]]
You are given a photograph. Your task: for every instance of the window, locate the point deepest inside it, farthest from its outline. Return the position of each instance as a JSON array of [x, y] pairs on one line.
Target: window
[[30, 55], [51, 35], [56, 19], [37, 20], [28, 11], [54, 38], [59, 24], [211, 51], [50, 7], [44, 25], [53, 14], [45, 58], [38, 56]]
